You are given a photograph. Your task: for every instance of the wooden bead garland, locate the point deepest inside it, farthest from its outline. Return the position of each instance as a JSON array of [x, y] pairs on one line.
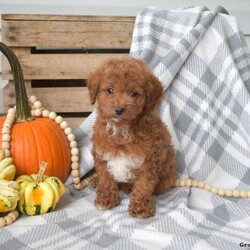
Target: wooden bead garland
[[184, 183], [9, 218], [219, 191], [12, 215]]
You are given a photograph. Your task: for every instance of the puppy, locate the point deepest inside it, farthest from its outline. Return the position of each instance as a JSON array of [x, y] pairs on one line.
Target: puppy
[[131, 145]]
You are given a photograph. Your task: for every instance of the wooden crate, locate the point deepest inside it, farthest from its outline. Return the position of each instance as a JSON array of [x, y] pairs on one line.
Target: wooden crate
[[58, 52]]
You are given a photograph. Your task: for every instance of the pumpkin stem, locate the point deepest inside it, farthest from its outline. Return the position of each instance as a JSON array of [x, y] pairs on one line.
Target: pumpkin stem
[[22, 104], [40, 174]]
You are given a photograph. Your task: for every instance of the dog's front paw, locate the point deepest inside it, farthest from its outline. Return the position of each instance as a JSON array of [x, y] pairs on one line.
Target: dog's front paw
[[142, 207], [103, 202]]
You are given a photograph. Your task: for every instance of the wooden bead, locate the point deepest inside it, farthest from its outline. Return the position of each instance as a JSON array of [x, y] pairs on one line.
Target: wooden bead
[[75, 165], [15, 212], [188, 183], [5, 145], [207, 187], [37, 104], [7, 152], [71, 137], [11, 111], [13, 215], [78, 186], [75, 158], [221, 191], [2, 222], [5, 130], [38, 112], [214, 190], [8, 219], [182, 183], [68, 131], [32, 112], [243, 194], [75, 151], [58, 119], [64, 124], [200, 184], [88, 180], [228, 193], [194, 183], [75, 173], [177, 183], [52, 115], [11, 116], [76, 180], [236, 193], [45, 113], [32, 99], [11, 119], [7, 123], [73, 144], [6, 137]]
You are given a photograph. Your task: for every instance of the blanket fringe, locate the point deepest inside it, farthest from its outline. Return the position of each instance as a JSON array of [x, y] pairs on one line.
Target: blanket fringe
[[183, 183]]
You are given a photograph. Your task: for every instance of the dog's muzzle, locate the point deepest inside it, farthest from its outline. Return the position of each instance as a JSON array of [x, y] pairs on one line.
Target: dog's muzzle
[[119, 111]]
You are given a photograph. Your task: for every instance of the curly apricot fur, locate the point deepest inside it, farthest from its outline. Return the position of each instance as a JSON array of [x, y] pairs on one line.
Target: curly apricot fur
[[127, 93]]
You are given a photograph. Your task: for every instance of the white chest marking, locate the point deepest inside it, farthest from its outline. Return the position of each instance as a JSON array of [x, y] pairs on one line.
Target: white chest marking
[[120, 167]]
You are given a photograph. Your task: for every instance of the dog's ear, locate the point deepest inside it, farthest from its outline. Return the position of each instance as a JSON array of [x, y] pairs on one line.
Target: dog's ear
[[154, 89], [93, 83], [154, 92]]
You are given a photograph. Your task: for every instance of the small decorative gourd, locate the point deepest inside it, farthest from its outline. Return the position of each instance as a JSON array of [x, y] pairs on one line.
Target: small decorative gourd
[[7, 169], [39, 194], [9, 195], [9, 190]]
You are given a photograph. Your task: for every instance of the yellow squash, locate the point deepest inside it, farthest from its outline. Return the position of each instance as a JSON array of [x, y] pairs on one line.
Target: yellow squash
[[39, 194], [9, 194], [7, 169]]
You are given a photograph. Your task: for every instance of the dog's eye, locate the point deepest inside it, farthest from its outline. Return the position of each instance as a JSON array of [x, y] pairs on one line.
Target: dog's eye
[[110, 91], [134, 94]]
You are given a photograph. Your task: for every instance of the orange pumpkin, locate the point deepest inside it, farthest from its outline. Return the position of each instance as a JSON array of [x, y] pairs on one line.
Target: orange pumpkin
[[38, 140], [34, 139]]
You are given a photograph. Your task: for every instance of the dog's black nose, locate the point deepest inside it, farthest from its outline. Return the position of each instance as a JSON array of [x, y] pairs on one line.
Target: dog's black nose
[[119, 111]]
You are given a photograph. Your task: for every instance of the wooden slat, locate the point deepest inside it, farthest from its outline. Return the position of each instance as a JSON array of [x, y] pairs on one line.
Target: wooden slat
[[58, 66], [42, 17], [9, 96], [51, 104], [53, 99], [63, 99], [74, 122], [92, 34]]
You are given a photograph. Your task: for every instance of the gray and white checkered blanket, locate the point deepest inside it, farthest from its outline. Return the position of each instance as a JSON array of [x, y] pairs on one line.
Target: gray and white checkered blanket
[[203, 62]]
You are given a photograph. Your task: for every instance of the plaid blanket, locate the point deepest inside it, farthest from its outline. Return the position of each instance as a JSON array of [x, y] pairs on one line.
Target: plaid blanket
[[203, 62]]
